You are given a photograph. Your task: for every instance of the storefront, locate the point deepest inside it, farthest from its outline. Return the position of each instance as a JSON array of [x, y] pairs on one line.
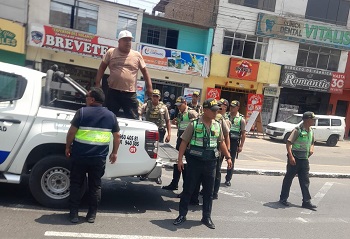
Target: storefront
[[174, 72], [12, 42], [307, 89], [76, 53], [236, 78]]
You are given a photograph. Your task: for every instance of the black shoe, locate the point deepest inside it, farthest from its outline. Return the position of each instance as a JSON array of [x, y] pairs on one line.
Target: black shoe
[[180, 219], [195, 203], [170, 187], [208, 222], [179, 195], [215, 196], [159, 181], [309, 205], [284, 203], [228, 183], [91, 216], [143, 178], [73, 216]]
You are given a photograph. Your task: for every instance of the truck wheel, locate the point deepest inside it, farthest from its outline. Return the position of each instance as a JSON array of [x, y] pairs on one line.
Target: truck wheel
[[332, 140], [49, 181], [285, 139]]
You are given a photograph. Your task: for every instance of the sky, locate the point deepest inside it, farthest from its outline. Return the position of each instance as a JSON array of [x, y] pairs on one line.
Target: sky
[[143, 4]]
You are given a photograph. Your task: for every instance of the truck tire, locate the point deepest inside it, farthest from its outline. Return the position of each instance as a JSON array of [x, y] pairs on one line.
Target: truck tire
[[332, 140], [49, 181]]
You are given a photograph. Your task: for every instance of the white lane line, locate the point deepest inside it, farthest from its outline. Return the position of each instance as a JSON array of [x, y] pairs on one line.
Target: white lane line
[[114, 236], [319, 196]]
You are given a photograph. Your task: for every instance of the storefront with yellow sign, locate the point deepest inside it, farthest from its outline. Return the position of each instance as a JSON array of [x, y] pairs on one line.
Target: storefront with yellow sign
[[234, 78], [12, 42]]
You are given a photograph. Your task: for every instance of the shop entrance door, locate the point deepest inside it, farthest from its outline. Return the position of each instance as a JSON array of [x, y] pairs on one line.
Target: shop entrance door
[[342, 107]]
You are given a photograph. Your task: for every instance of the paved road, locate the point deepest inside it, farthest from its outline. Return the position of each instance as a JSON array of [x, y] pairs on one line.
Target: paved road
[[134, 209]]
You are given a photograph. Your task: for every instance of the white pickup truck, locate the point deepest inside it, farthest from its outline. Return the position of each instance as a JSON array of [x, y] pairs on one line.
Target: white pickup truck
[[35, 114]]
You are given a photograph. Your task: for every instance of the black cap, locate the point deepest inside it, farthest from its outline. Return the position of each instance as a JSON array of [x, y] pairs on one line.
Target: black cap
[[309, 115], [97, 94], [211, 104], [223, 101], [235, 103], [180, 100]]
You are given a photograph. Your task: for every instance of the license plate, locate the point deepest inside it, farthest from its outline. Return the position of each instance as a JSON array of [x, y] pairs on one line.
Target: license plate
[[268, 131]]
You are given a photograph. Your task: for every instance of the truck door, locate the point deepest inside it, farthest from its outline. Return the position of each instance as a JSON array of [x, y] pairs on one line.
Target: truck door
[[322, 129], [14, 111]]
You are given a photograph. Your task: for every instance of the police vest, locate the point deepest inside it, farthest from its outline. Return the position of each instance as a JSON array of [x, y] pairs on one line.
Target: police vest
[[94, 133], [235, 130], [182, 121], [202, 144], [301, 146], [156, 114]]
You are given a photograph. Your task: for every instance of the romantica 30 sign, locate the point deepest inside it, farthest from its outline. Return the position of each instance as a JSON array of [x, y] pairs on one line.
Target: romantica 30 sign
[[287, 29], [306, 78]]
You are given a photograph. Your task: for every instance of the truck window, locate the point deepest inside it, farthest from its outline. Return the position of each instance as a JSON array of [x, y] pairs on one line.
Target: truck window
[[323, 122], [11, 86], [336, 122]]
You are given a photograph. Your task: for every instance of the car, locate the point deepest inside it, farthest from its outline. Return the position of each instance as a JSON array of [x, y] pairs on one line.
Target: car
[[328, 128]]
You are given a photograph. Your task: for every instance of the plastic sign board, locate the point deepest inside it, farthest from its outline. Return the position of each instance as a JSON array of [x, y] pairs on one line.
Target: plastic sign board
[[243, 69]]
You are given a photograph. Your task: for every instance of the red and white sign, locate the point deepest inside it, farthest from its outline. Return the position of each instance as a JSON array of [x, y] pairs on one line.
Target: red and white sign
[[213, 93], [255, 102], [337, 83], [69, 40], [243, 69], [132, 149]]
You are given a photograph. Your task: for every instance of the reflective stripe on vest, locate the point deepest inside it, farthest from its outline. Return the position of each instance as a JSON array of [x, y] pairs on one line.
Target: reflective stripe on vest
[[94, 136], [184, 122], [200, 134], [301, 146], [236, 126]]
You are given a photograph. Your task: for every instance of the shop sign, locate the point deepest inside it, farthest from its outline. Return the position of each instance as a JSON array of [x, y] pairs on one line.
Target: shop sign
[[188, 93], [302, 31], [243, 69], [174, 60], [312, 79], [254, 104], [11, 36], [271, 91], [69, 41], [140, 91], [213, 93]]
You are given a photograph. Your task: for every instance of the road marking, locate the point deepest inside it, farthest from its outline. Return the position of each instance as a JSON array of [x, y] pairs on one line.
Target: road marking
[[301, 219], [319, 196], [114, 236]]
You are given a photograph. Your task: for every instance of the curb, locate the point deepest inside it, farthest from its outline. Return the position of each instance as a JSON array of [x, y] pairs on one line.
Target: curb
[[282, 173]]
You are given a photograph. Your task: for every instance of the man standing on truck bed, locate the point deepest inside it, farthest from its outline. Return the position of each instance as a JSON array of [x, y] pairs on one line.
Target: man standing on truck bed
[[123, 63], [87, 145]]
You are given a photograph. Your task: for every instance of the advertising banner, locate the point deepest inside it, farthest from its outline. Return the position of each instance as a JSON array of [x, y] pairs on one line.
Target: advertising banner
[[302, 31], [213, 93], [243, 69], [140, 91], [255, 102], [305, 78], [174, 60], [12, 36], [69, 40]]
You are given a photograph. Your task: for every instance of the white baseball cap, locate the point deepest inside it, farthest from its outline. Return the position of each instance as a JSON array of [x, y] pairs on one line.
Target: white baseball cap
[[124, 33]]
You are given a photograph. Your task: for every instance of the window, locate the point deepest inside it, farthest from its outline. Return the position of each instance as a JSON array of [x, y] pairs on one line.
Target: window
[[74, 14], [159, 36], [331, 11], [127, 21], [323, 122], [268, 5], [336, 122], [318, 57], [243, 45], [11, 86]]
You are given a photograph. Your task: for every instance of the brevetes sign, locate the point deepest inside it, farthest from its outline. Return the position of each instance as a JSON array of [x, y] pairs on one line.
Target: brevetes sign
[[12, 36], [312, 79], [243, 69], [174, 60], [300, 31], [69, 40]]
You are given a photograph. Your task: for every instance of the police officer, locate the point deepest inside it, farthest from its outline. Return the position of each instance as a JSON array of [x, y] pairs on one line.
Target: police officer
[[182, 120], [194, 104], [300, 146], [156, 111], [237, 136], [87, 146], [203, 136]]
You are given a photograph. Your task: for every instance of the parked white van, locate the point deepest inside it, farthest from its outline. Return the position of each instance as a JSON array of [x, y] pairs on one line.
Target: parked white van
[[328, 128]]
